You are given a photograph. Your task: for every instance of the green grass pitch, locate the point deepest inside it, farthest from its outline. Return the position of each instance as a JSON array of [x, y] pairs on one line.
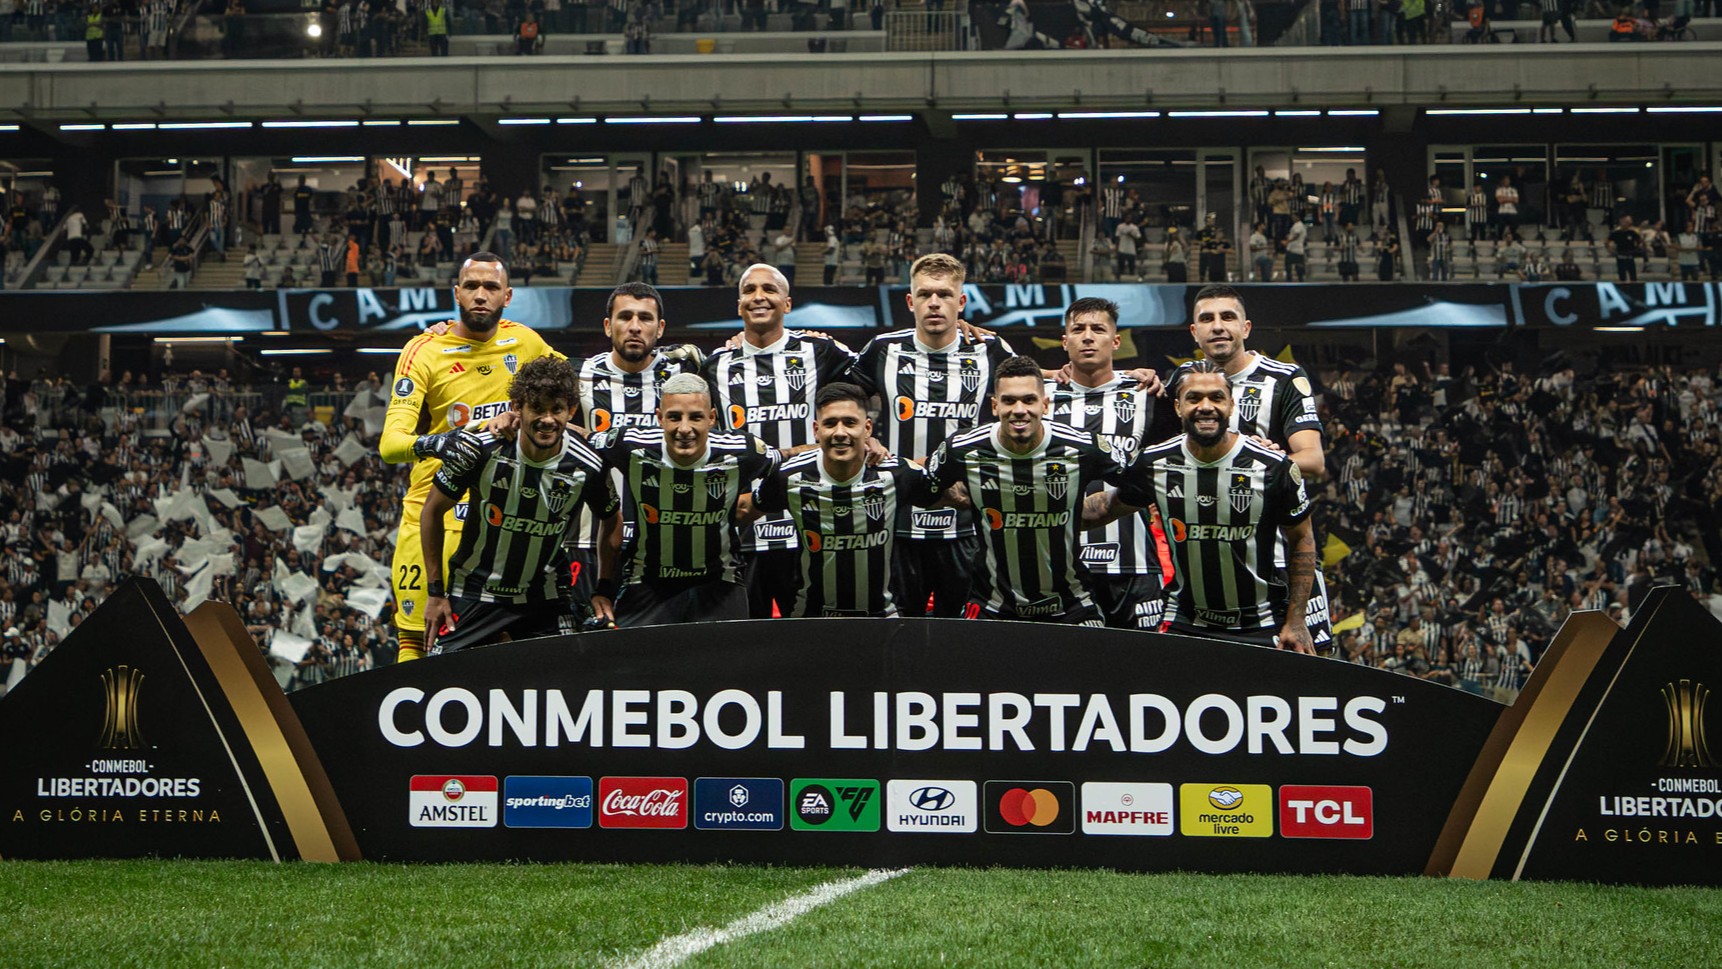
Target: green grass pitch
[[180, 913]]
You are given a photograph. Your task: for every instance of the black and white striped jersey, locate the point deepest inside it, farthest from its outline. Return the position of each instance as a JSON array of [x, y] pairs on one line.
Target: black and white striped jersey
[[1273, 399], [1223, 521], [520, 510], [1119, 412], [610, 398], [768, 392], [846, 530], [1031, 508], [684, 517], [926, 396]]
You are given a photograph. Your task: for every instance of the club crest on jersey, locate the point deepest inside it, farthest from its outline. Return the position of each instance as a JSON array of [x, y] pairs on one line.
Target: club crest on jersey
[[1125, 405], [512, 362], [717, 486], [1250, 404], [1057, 480], [971, 373], [1240, 493], [795, 373], [874, 505], [560, 494]]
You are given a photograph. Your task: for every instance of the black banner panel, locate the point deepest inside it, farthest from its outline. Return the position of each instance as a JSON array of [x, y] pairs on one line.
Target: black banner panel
[[875, 742], [883, 742]]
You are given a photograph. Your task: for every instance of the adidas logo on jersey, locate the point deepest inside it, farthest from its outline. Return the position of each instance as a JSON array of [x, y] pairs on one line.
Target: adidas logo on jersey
[[457, 368]]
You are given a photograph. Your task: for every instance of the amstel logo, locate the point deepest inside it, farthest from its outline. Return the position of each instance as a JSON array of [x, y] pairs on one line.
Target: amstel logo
[[120, 688], [1687, 744]]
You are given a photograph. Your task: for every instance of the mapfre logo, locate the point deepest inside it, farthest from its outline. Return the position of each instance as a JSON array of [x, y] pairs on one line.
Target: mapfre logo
[[1310, 811], [643, 802]]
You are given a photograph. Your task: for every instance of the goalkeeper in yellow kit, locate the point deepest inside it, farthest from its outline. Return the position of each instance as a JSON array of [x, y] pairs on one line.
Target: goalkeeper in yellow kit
[[442, 383]]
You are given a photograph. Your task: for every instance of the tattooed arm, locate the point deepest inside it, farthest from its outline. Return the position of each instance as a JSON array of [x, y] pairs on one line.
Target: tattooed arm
[[1300, 575]]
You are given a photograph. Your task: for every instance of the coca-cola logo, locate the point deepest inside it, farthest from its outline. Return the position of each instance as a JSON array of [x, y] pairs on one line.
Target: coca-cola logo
[[643, 802], [657, 803]]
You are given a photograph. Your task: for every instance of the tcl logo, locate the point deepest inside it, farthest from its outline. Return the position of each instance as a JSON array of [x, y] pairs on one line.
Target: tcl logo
[[1327, 812], [643, 802]]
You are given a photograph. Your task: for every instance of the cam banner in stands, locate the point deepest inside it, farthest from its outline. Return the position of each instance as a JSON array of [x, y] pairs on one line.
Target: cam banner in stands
[[876, 742], [137, 738]]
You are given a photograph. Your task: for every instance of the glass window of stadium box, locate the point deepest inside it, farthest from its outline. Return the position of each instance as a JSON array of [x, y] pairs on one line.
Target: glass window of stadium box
[[1617, 179], [1175, 186], [594, 180], [1041, 184], [157, 182], [747, 182], [1314, 167], [1526, 165]]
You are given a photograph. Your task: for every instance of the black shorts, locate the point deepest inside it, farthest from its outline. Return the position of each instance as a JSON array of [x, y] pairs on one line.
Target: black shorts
[[1248, 637], [582, 576], [479, 623], [772, 578], [648, 604], [941, 568], [1077, 614], [1318, 617], [1128, 601]]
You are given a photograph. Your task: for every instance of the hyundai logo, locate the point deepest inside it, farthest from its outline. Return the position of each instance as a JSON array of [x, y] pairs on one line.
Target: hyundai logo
[[932, 798]]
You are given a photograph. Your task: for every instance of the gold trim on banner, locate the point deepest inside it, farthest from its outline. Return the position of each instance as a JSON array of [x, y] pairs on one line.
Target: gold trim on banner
[[291, 767], [1476, 831]]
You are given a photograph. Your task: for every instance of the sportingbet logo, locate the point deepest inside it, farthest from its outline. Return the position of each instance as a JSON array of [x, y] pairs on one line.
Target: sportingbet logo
[[1327, 812], [1226, 810], [458, 801], [547, 802], [834, 804], [643, 802], [931, 806], [1127, 809]]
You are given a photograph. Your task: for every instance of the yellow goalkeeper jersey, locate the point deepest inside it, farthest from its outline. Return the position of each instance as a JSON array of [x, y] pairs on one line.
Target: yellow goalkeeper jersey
[[444, 382]]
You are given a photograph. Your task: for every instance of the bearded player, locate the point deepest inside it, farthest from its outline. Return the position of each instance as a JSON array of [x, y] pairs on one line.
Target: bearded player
[[444, 382]]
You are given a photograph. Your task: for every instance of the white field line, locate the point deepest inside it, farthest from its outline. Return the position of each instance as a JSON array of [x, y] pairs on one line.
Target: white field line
[[677, 949]]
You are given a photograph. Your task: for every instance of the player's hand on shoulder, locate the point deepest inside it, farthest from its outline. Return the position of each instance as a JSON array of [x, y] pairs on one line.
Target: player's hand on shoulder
[[440, 327], [1062, 376], [1264, 442], [973, 332], [876, 453], [1147, 380], [458, 448], [687, 354], [504, 425]]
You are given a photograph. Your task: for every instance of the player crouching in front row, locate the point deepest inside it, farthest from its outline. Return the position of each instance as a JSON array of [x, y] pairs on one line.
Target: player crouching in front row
[[510, 578]]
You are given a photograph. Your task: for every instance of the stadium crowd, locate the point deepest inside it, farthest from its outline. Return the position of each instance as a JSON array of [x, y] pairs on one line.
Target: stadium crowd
[[1467, 513]]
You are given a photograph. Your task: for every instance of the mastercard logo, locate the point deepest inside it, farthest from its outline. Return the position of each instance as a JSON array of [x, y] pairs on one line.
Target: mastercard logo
[[1179, 532], [600, 421], [813, 540], [650, 513], [737, 416], [493, 514], [1020, 808], [995, 521], [905, 409]]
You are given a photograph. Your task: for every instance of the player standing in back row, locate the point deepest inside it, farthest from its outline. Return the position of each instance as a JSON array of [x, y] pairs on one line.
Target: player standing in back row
[[932, 382], [766, 387], [1122, 560], [442, 383], [1274, 401], [618, 389]]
